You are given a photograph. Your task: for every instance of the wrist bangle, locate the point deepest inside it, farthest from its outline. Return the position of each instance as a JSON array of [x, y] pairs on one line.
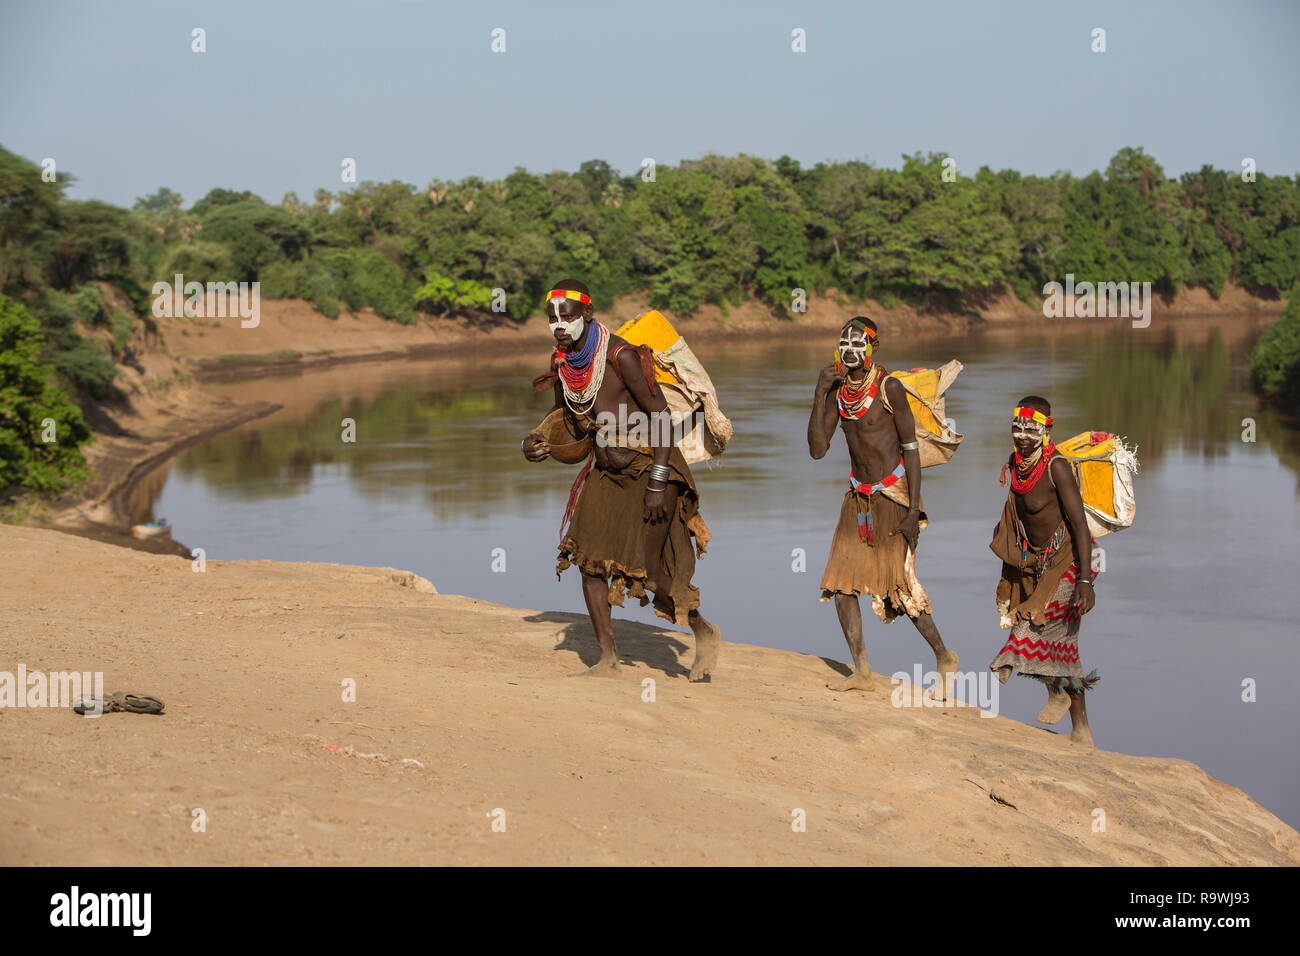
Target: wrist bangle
[[910, 446], [659, 473], [648, 488]]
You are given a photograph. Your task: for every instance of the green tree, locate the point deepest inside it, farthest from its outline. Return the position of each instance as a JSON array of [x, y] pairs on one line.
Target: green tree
[[81, 363], [199, 262], [94, 242], [163, 201], [216, 198], [442, 294], [29, 221], [32, 410], [1275, 360], [256, 235]]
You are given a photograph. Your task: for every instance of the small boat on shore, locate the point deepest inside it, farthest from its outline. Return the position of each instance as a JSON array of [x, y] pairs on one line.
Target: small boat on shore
[[154, 529]]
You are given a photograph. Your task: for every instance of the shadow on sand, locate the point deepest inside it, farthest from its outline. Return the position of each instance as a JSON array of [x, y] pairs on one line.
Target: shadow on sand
[[839, 667], [645, 644]]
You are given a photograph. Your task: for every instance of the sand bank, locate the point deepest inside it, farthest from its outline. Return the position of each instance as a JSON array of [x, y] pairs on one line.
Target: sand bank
[[251, 658]]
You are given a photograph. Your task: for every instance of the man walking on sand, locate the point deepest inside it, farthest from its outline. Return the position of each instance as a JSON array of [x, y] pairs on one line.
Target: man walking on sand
[[637, 511], [874, 549]]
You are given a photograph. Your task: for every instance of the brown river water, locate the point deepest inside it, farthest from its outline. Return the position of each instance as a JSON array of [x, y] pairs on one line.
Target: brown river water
[[1196, 609]]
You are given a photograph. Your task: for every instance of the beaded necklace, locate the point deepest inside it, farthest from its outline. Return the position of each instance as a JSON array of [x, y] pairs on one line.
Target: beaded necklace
[[854, 401], [1028, 473], [582, 372], [1043, 559]]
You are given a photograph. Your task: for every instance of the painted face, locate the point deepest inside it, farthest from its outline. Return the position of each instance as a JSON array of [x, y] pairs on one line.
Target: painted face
[[1022, 430], [1027, 434], [855, 348], [559, 324]]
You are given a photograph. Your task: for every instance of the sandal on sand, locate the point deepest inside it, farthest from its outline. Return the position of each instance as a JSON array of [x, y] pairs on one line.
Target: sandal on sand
[[141, 704], [121, 701]]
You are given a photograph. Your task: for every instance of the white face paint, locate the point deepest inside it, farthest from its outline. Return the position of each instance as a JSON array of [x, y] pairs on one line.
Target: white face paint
[[572, 329], [853, 348], [1022, 428]]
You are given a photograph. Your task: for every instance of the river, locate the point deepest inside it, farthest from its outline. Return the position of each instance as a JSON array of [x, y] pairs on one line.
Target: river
[[1195, 626]]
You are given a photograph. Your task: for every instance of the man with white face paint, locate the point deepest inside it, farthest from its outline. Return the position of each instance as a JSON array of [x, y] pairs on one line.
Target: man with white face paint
[[633, 517], [874, 549]]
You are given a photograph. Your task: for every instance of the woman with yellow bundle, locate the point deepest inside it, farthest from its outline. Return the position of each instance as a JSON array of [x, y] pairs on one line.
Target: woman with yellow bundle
[[1045, 545]]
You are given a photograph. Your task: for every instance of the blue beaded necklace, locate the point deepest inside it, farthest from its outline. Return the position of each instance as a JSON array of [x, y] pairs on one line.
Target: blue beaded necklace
[[579, 361]]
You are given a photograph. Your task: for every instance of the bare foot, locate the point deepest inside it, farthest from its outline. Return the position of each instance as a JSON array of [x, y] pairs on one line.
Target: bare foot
[[605, 667], [707, 641], [1058, 703], [855, 681], [1080, 735], [947, 668]]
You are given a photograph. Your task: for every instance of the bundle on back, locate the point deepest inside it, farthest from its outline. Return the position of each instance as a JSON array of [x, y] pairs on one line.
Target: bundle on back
[[687, 387], [936, 441]]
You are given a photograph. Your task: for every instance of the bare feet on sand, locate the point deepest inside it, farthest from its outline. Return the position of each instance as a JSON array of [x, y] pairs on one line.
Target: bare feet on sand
[[855, 681], [1080, 735], [708, 639], [946, 665], [1058, 703], [605, 667]]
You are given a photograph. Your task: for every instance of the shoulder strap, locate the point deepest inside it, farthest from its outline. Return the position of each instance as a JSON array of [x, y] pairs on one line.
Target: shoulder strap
[[646, 355], [880, 388]]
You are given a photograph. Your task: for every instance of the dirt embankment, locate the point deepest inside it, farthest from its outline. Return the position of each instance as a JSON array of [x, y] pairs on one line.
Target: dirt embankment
[[463, 718], [292, 336]]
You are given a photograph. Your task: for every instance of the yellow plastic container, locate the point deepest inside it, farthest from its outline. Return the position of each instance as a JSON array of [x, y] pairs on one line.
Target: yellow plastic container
[[925, 381], [652, 329], [1094, 468]]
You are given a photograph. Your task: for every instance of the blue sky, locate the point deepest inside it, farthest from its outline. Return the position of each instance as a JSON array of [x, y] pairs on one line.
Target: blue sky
[[413, 92]]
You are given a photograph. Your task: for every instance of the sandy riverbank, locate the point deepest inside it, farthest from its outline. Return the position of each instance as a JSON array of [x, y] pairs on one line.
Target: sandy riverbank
[[250, 658]]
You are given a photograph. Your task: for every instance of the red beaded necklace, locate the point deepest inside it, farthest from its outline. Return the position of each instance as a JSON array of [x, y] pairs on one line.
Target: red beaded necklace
[[854, 401], [578, 369], [1026, 475]]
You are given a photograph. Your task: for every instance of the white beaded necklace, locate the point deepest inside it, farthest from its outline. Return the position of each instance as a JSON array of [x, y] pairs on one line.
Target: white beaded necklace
[[588, 395]]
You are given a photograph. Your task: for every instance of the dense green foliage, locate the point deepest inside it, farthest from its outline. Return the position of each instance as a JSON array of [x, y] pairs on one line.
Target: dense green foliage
[[1275, 362], [718, 230], [40, 428]]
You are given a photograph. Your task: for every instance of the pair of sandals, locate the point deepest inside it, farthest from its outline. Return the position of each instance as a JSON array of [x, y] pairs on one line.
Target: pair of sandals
[[120, 701]]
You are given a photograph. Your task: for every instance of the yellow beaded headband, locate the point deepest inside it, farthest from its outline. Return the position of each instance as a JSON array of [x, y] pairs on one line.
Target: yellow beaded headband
[[568, 294], [1032, 414]]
